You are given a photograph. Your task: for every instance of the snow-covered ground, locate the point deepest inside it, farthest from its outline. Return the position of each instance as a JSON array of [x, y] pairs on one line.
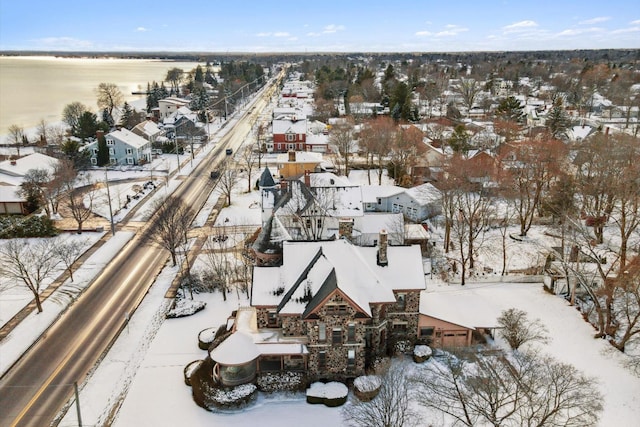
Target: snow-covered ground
[[14, 295]]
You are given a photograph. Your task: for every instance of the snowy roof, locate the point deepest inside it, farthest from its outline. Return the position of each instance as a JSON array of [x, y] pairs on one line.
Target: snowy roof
[[577, 133], [415, 232], [127, 137], [266, 179], [281, 348], [373, 222], [148, 127], [19, 167], [237, 349], [289, 124], [9, 193], [425, 193], [312, 270], [317, 139], [301, 157], [465, 308], [370, 193]]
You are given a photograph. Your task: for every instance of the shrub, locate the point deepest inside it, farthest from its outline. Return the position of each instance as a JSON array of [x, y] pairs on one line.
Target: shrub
[[33, 226]]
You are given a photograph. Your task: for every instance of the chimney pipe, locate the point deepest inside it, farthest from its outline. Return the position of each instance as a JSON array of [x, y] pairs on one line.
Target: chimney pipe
[[383, 261], [307, 179], [292, 156]]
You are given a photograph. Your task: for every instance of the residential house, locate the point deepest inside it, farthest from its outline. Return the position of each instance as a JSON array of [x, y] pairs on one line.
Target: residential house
[[330, 309], [169, 106], [125, 148], [289, 133], [416, 204], [12, 174], [148, 130], [456, 319], [294, 164]]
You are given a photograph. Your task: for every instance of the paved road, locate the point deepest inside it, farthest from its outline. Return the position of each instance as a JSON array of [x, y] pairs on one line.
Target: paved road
[[34, 390]]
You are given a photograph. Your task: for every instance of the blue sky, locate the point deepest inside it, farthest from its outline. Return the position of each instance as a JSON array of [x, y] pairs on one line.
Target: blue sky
[[318, 26]]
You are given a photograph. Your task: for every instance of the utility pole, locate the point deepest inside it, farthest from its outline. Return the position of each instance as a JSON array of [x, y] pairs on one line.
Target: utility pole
[[106, 180], [75, 389]]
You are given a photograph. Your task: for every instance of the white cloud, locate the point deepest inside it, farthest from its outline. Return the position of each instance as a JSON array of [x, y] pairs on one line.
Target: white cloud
[[142, 29], [595, 20], [312, 34], [281, 34], [451, 30], [263, 34], [423, 33], [578, 31], [636, 22], [332, 28], [520, 26], [626, 30]]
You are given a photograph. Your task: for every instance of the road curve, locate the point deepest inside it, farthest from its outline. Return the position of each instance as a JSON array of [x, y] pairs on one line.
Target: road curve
[[34, 390]]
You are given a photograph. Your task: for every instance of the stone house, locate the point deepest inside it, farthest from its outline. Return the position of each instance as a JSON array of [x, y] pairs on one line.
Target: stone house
[[341, 304]]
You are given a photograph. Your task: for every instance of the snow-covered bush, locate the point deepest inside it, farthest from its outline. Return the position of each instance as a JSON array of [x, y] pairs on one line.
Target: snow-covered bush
[[231, 398], [331, 394], [367, 387], [206, 337], [421, 353], [184, 307], [190, 369], [281, 381]]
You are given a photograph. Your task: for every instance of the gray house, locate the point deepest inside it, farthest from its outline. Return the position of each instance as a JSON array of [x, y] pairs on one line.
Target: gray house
[[417, 203], [125, 148]]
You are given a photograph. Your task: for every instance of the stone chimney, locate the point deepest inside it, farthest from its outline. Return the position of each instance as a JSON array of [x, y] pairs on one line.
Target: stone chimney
[[292, 156], [307, 179], [383, 261], [345, 228]]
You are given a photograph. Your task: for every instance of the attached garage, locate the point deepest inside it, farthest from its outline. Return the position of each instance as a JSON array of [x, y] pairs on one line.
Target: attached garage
[[440, 333]]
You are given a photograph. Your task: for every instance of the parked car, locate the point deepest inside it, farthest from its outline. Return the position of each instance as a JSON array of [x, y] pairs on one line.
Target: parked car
[[229, 151], [215, 174]]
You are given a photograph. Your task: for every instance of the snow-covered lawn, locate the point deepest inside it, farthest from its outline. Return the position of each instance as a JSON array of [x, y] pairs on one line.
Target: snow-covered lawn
[[159, 397], [25, 333]]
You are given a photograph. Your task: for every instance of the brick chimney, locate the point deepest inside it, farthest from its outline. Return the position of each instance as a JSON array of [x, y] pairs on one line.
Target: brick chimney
[[292, 156], [383, 261], [283, 184], [307, 179], [99, 134]]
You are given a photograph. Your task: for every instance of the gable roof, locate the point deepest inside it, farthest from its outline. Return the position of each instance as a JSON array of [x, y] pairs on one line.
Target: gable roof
[[127, 137], [266, 179], [313, 270], [20, 167]]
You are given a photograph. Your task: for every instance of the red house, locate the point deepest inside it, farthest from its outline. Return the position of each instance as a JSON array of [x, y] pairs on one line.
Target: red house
[[289, 133]]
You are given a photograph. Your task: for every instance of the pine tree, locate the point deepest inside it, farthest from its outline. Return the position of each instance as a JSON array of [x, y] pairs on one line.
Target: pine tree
[[103, 152], [127, 118], [558, 120]]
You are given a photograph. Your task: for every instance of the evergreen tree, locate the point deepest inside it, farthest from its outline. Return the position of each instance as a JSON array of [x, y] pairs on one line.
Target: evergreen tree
[[103, 152], [558, 120], [510, 110], [459, 140], [72, 150], [126, 118], [87, 125]]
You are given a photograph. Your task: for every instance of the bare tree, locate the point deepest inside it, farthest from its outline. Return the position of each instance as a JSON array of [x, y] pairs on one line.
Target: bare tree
[[16, 137], [43, 131], [71, 115], [32, 189], [29, 262], [109, 97], [79, 200], [68, 251], [248, 158], [517, 329], [376, 140], [526, 390], [390, 408], [217, 259], [530, 167], [64, 174], [228, 179], [342, 138], [170, 225], [306, 212], [468, 89], [627, 308]]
